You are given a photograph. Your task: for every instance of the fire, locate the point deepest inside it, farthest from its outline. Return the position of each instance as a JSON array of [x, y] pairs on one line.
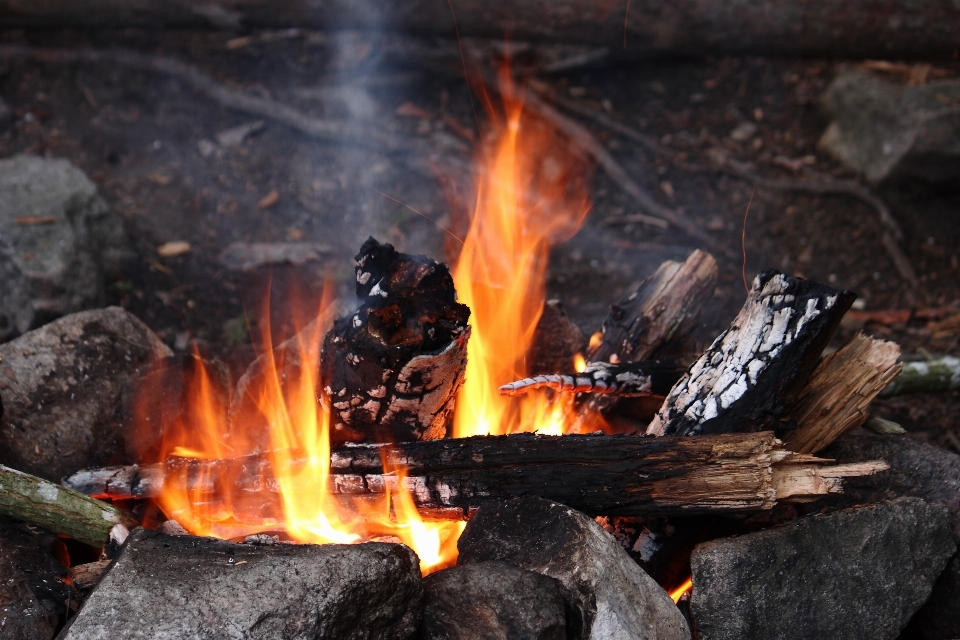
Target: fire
[[292, 431], [530, 195], [680, 591]]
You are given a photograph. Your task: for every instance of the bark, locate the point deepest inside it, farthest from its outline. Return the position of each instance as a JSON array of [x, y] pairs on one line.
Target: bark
[[59, 509], [391, 370], [747, 377], [860, 28], [839, 392], [599, 475]]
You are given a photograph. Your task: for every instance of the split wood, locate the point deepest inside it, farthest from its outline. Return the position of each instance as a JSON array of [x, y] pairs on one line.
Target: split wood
[[599, 475], [59, 509]]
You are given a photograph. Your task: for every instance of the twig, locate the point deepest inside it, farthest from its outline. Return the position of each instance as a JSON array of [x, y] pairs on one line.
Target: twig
[[219, 93]]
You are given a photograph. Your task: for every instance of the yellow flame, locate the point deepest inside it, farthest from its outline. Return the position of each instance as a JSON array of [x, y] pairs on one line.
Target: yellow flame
[[678, 593]]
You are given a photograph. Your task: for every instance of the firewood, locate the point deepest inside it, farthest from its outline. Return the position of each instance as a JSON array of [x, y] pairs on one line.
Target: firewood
[[839, 392], [651, 377], [59, 509], [391, 371], [750, 373], [599, 475]]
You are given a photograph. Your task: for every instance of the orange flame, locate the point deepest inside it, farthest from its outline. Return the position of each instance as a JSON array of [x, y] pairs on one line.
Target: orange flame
[[292, 431], [679, 592], [531, 194]]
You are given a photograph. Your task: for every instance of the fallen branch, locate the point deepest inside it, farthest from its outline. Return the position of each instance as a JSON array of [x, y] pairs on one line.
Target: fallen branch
[[938, 374], [59, 509], [600, 475]]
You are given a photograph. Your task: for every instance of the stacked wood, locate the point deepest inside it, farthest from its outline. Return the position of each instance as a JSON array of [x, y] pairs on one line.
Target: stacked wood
[[599, 475], [391, 370], [839, 392], [754, 369]]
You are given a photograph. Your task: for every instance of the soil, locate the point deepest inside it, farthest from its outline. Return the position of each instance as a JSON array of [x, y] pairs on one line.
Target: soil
[[138, 136]]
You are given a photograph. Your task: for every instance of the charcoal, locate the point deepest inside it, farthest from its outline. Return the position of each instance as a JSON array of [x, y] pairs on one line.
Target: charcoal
[[490, 601], [172, 587], [607, 594], [856, 573], [62, 242], [63, 386], [556, 341]]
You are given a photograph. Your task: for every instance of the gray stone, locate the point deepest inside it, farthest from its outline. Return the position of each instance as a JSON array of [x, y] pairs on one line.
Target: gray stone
[[608, 595], [858, 573], [188, 588], [60, 240], [63, 386], [891, 132], [939, 618], [33, 600], [492, 601]]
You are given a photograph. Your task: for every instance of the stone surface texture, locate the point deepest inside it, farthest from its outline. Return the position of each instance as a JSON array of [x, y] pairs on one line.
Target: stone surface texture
[[608, 596], [888, 131], [857, 573], [62, 387], [492, 601], [32, 597], [184, 587], [58, 240]]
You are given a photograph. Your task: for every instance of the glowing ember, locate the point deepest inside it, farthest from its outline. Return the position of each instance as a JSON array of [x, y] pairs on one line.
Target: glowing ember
[[679, 592]]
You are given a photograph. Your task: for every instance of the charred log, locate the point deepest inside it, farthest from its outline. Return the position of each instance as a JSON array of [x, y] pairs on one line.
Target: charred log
[[651, 377], [391, 370], [751, 372], [599, 475]]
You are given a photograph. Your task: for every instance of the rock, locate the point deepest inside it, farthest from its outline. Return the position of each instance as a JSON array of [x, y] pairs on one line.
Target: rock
[[492, 600], [62, 239], [556, 341], [33, 600], [172, 587], [920, 470], [608, 595], [62, 387], [858, 573], [891, 132]]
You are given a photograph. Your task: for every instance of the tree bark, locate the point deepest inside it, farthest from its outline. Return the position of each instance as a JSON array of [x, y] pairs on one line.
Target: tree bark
[[859, 28], [599, 475]]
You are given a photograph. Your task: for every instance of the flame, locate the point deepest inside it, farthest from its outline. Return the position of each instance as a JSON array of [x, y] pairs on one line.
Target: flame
[[679, 592], [530, 195], [292, 432]]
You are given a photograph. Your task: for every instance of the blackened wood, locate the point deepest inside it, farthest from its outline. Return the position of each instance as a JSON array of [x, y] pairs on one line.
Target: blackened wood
[[631, 379], [599, 475], [750, 373], [392, 369], [556, 341]]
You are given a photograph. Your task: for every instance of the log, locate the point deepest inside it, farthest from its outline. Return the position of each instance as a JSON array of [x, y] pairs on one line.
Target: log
[[839, 392], [633, 379], [937, 374], [631, 28], [391, 370], [59, 509], [750, 373], [599, 475]]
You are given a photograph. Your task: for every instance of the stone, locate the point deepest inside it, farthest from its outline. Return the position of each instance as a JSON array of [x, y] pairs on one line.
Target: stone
[[183, 587], [62, 387], [890, 132], [607, 594], [59, 242], [556, 341], [938, 618], [490, 601], [857, 573], [33, 600]]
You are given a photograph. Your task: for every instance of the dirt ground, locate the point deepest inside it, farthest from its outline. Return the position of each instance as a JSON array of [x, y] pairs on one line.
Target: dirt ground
[[138, 135]]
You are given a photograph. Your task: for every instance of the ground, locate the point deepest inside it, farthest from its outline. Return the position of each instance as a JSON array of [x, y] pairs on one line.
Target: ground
[[138, 135]]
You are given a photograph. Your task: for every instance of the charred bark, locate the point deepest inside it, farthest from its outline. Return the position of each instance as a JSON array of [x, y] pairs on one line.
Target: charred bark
[[599, 475], [391, 370], [751, 372]]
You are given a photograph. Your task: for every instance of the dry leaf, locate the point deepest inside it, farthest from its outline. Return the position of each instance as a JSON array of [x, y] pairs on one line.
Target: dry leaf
[[269, 200], [175, 248], [160, 179]]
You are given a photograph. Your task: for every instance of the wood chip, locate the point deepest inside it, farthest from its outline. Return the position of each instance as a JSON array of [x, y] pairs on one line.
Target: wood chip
[[269, 200], [173, 249], [32, 220]]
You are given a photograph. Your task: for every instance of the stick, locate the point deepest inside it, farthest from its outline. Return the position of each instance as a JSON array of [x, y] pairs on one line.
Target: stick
[[59, 509], [939, 374]]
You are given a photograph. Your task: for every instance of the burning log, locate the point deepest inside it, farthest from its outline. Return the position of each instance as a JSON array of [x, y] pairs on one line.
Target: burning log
[[59, 509], [750, 373], [599, 475], [391, 370]]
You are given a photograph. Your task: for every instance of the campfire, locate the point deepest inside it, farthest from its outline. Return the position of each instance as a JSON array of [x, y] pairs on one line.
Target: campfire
[[447, 447]]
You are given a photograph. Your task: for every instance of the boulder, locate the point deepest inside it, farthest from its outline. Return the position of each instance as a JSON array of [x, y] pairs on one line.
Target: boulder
[[62, 387], [857, 573], [607, 594], [59, 240], [490, 601], [891, 132], [33, 600], [175, 587]]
